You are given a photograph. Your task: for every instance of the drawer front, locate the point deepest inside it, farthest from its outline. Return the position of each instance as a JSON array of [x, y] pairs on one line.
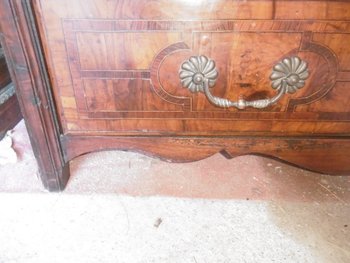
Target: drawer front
[[114, 65]]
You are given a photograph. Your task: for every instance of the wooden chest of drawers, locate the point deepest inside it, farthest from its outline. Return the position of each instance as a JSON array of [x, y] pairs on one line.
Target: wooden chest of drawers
[[182, 80]]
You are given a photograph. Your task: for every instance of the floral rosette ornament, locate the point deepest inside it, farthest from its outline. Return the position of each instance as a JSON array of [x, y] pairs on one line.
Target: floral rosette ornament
[[293, 71], [195, 71]]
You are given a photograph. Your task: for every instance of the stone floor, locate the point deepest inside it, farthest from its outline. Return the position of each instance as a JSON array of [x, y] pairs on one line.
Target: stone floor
[[126, 207]]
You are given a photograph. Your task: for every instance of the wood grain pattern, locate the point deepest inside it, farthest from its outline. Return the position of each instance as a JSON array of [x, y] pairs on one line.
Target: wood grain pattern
[[34, 96], [303, 152], [97, 56], [103, 74]]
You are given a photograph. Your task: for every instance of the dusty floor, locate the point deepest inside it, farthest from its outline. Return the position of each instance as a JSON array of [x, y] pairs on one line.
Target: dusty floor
[[126, 207]]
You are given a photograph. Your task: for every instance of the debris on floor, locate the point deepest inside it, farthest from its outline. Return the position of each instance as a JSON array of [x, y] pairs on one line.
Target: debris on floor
[[158, 222]]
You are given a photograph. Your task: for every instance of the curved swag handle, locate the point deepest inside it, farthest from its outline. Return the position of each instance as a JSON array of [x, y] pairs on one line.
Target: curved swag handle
[[199, 74]]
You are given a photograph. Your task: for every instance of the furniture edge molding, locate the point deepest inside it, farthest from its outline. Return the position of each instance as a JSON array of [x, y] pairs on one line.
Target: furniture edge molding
[[27, 68], [323, 155]]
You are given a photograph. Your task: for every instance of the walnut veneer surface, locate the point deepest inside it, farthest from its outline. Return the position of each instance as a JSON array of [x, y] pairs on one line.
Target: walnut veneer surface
[[95, 75]]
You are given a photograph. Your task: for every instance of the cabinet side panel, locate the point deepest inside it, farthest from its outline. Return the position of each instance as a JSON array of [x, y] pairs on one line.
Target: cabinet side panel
[[23, 52]]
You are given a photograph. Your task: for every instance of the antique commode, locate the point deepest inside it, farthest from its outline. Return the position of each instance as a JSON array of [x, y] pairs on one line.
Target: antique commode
[[182, 79]]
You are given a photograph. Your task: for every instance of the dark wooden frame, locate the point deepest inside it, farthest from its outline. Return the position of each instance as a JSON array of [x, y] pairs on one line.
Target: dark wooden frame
[[10, 113], [28, 72], [54, 150]]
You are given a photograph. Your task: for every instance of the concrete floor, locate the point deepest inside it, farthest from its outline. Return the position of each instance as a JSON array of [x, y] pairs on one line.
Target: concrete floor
[[126, 207]]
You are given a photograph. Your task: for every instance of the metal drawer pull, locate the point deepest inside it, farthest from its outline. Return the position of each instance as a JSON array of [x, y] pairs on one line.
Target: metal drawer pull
[[199, 74]]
